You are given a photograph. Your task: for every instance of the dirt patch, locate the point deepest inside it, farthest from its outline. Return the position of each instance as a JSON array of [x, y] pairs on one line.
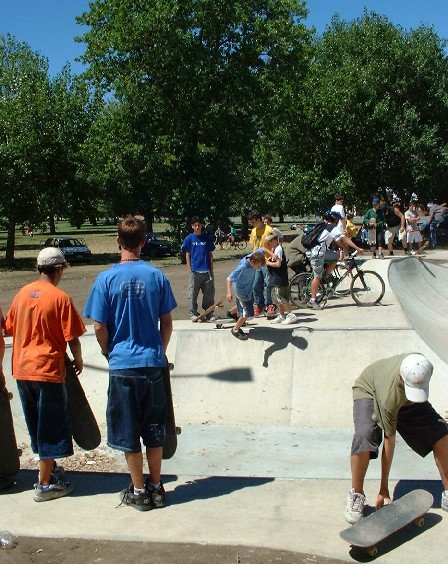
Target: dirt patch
[[63, 551]]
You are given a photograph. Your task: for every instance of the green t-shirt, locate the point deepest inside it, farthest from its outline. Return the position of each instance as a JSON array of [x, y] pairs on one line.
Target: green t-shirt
[[378, 215], [381, 381]]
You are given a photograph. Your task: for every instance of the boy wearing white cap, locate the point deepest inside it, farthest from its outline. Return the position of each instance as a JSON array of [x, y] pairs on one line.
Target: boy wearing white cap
[[42, 321], [391, 395]]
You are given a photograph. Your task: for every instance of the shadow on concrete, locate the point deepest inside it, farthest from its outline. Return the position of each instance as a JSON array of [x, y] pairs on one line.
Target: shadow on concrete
[[280, 339], [434, 487], [233, 375], [212, 487]]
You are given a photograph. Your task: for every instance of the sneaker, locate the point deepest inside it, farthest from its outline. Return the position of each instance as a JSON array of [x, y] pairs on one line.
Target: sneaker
[[278, 319], [158, 495], [240, 335], [374, 255], [391, 254], [58, 472], [290, 318], [258, 310], [413, 253], [354, 510], [271, 310], [141, 502], [194, 318], [382, 256], [54, 490], [444, 501], [211, 318], [231, 315], [313, 304]]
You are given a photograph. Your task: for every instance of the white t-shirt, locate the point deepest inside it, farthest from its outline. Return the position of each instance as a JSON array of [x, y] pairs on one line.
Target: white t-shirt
[[340, 209], [325, 240]]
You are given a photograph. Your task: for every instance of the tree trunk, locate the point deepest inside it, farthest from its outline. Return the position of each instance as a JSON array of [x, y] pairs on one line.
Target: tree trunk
[[52, 224]]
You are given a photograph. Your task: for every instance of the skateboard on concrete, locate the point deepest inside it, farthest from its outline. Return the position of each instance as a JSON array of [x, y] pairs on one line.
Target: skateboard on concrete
[[170, 446], [9, 453], [227, 323], [85, 430], [371, 530], [211, 309], [422, 248]]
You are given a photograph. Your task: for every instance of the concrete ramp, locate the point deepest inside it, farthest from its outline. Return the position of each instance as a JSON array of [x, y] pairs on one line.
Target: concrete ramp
[[422, 289]]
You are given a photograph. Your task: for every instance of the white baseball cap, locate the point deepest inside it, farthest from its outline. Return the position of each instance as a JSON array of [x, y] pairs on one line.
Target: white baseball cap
[[416, 371], [50, 256]]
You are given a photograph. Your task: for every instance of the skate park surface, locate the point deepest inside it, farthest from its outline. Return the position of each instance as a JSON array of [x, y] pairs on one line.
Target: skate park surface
[[263, 458]]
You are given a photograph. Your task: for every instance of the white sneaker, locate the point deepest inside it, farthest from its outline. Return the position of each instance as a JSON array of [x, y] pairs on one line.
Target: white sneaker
[[413, 253], [354, 510], [444, 502], [290, 318], [278, 319]]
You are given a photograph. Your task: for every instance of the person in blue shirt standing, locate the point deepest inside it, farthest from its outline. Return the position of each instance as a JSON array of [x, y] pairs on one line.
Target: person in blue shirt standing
[[131, 306], [198, 248]]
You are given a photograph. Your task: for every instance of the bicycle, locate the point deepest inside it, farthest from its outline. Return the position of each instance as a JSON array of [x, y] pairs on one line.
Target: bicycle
[[234, 243], [366, 287]]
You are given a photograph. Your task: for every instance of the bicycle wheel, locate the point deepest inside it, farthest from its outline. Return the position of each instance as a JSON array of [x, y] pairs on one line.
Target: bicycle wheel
[[341, 272], [227, 244], [241, 244], [299, 287], [367, 288]]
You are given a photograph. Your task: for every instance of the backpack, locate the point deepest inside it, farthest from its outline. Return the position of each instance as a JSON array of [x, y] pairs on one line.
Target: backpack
[[310, 239]]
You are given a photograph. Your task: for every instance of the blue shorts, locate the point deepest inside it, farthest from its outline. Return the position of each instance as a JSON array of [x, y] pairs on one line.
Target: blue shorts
[[136, 408], [245, 308], [47, 418]]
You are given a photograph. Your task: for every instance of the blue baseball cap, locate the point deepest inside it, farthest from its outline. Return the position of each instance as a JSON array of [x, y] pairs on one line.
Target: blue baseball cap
[[375, 201]]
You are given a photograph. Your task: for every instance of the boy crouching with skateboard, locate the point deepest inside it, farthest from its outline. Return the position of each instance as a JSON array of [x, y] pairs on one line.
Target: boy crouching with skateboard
[[42, 321], [391, 395], [240, 283]]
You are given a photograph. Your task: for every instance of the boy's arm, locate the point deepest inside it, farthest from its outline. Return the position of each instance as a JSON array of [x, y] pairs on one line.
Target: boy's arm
[[386, 463], [229, 290], [75, 348], [187, 258]]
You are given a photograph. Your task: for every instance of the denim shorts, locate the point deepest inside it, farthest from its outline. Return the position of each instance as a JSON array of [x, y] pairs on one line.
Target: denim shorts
[[47, 418], [245, 308], [136, 409]]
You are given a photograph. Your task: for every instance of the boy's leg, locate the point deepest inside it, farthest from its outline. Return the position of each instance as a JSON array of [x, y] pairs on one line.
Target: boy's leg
[[193, 292], [134, 461], [154, 458], [440, 451], [45, 470]]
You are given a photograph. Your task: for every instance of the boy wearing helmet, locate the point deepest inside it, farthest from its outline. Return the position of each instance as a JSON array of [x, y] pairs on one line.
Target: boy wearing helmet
[[391, 395], [321, 252]]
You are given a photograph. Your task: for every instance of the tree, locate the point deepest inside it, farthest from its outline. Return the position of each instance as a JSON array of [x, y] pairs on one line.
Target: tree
[[197, 77], [378, 109], [23, 92]]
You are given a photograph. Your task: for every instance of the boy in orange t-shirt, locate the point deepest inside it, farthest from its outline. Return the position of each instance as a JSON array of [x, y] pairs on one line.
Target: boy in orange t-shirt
[[42, 320]]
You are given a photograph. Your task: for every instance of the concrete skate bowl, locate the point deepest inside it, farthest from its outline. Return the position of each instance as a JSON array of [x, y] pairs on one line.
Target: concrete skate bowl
[[422, 289]]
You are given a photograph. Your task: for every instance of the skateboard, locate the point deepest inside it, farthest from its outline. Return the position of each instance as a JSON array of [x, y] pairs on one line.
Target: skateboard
[[371, 530], [85, 430], [227, 323], [211, 309], [422, 248], [169, 448], [9, 457], [372, 232]]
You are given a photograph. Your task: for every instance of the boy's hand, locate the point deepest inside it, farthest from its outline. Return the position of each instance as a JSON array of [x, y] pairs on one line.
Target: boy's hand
[[382, 498], [229, 296]]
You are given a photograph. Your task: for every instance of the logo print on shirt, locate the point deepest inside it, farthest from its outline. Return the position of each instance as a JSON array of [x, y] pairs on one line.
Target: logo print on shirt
[[132, 290]]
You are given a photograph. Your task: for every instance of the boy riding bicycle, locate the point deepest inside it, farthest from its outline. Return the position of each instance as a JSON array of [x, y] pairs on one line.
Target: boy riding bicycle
[[321, 252]]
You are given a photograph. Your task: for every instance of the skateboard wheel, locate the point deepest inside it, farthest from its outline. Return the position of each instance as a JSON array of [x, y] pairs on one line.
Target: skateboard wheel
[[420, 521], [178, 430], [219, 326], [170, 366], [10, 396], [372, 551]]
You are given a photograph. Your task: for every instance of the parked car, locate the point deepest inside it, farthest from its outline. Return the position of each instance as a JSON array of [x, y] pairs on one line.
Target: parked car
[[155, 247], [73, 248]]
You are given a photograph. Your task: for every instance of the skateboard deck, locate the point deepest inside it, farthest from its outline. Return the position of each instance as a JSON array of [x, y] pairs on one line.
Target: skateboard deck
[[9, 453], [169, 448], [422, 248], [85, 430], [371, 236], [371, 530], [227, 323], [211, 309]]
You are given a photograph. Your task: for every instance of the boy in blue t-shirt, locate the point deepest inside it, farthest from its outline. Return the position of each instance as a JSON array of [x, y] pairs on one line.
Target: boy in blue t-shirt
[[131, 306], [240, 284], [198, 248]]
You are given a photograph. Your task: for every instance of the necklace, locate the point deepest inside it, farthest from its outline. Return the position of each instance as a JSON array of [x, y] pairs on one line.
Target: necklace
[[129, 260]]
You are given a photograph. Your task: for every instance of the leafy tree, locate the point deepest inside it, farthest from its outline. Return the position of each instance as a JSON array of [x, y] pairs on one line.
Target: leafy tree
[[197, 77], [378, 109]]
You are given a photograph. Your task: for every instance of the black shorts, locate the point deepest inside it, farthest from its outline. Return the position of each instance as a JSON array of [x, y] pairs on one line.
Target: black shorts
[[421, 427]]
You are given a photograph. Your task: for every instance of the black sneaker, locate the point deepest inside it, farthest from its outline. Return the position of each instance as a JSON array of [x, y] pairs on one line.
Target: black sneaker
[[240, 335], [141, 502], [231, 315], [158, 496]]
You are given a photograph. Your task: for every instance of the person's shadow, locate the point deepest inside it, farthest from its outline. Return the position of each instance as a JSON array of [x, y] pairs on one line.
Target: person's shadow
[[281, 338]]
